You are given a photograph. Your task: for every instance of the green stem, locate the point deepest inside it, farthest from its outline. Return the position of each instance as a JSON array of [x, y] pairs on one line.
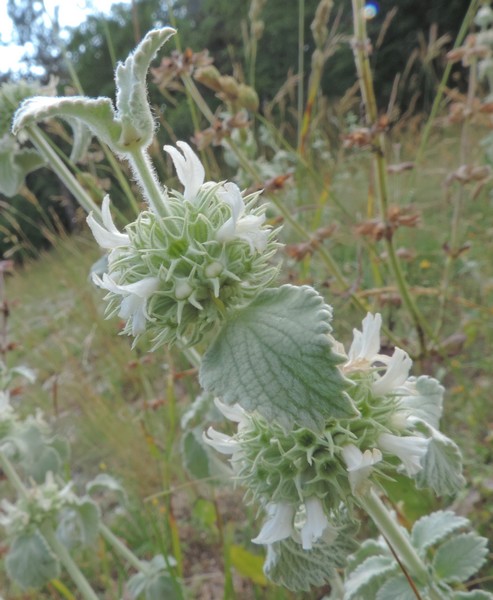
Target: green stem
[[146, 176], [12, 476], [56, 164], [301, 67], [121, 549], [72, 569], [361, 56], [398, 541]]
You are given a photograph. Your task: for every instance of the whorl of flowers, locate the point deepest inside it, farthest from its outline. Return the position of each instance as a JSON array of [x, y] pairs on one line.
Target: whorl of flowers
[[302, 478], [175, 276]]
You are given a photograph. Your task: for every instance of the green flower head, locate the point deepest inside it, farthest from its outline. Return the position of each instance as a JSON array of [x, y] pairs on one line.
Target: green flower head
[[176, 276]]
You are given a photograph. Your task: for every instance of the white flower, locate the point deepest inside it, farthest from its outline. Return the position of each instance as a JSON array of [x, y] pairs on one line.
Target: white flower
[[135, 296], [315, 524], [396, 374], [239, 225], [188, 168], [366, 343], [107, 235], [409, 449], [278, 525], [359, 465], [233, 412], [225, 444]]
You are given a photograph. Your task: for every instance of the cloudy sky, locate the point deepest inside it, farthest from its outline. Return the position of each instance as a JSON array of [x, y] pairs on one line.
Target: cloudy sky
[[70, 14]]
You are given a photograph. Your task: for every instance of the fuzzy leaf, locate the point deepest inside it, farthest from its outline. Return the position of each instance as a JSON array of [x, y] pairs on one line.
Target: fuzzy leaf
[[79, 524], [426, 401], [15, 165], [287, 564], [442, 464], [275, 356], [434, 528], [105, 482], [368, 548], [131, 99], [82, 137], [155, 583], [460, 557], [198, 459], [472, 595], [368, 574], [97, 113], [396, 588], [30, 562]]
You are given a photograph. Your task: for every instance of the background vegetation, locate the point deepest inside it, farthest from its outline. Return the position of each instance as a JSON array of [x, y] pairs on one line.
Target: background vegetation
[[307, 145]]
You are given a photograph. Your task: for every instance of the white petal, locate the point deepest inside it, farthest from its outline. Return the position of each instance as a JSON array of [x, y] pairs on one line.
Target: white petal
[[108, 236], [234, 413], [278, 525], [230, 194], [188, 168], [225, 444], [396, 374], [366, 343], [143, 288], [359, 465], [409, 449], [316, 523]]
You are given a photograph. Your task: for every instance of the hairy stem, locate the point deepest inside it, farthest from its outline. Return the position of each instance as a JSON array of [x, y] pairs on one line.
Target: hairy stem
[[121, 549], [146, 177], [398, 541], [71, 567]]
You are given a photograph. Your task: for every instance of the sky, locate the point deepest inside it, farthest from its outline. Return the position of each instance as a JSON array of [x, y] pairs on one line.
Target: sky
[[70, 13]]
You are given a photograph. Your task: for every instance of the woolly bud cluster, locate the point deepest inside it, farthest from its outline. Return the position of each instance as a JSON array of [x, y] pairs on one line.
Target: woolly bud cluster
[[176, 274]]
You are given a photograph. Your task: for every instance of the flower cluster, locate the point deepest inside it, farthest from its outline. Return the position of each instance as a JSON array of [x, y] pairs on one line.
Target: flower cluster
[[302, 478], [42, 502], [176, 275]]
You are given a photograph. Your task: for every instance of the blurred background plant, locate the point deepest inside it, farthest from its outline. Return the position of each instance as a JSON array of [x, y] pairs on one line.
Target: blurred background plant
[[270, 98]]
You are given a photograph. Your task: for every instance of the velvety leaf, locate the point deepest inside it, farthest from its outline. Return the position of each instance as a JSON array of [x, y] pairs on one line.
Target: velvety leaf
[[396, 588], [79, 524], [431, 529], [275, 356], [426, 401], [287, 564], [131, 99], [460, 557], [366, 549], [198, 459], [30, 562], [97, 113], [104, 482], [442, 464], [369, 574], [472, 595]]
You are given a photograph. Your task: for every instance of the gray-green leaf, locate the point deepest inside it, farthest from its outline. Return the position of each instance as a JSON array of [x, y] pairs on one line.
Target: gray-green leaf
[[287, 564], [426, 400], [79, 524], [442, 464], [368, 575], [460, 557], [30, 562], [396, 588], [275, 356], [434, 528], [473, 595]]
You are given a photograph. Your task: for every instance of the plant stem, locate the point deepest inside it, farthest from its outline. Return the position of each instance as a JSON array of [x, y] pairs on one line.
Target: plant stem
[[398, 541], [56, 164], [301, 67], [72, 569], [121, 549], [361, 56], [146, 176], [12, 476]]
